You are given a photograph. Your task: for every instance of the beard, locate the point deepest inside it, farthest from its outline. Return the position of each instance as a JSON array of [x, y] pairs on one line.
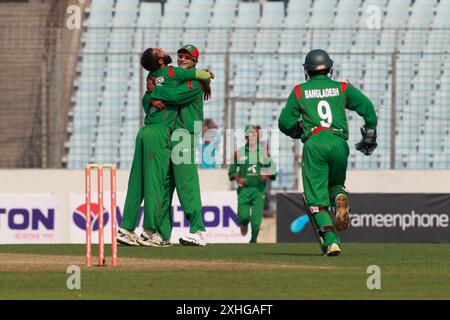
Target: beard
[[167, 59], [150, 62], [153, 64]]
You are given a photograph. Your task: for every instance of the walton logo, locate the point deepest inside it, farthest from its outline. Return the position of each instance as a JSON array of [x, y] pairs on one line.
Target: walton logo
[[79, 216]]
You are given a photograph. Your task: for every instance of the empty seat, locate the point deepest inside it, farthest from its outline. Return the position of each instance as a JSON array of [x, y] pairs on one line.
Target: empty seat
[[347, 13], [396, 14], [150, 14], [272, 14], [322, 13], [248, 15]]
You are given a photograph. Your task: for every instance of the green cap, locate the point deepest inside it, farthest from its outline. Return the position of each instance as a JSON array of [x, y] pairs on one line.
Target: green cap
[[249, 127], [189, 49]]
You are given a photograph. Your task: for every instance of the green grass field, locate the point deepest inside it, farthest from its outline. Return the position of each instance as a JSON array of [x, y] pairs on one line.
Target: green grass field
[[220, 271]]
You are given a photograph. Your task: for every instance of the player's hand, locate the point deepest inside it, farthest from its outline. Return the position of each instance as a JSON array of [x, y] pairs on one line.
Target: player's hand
[[265, 177], [158, 104], [150, 86], [241, 181], [210, 73], [207, 93], [368, 142], [366, 149], [297, 131]]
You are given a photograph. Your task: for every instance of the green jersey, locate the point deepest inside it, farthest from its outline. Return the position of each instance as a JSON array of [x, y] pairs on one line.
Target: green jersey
[[189, 97], [169, 77], [321, 104], [193, 110], [250, 165]]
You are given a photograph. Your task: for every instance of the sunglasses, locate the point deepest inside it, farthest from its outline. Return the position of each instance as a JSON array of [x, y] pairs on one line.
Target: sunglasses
[[186, 57]]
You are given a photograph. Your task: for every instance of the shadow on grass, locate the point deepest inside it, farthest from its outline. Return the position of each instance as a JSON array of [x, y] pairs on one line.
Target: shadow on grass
[[292, 254]]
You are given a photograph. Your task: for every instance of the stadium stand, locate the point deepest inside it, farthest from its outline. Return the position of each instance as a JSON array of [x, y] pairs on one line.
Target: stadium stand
[[256, 50], [30, 113]]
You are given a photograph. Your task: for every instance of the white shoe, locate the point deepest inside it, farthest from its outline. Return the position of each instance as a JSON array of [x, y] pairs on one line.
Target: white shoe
[[194, 239], [128, 238], [145, 238], [157, 241]]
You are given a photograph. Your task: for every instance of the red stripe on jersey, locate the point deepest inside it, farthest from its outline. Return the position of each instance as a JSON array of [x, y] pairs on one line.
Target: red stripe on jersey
[[344, 86], [153, 80], [201, 86], [298, 91], [171, 72], [318, 129], [190, 86]]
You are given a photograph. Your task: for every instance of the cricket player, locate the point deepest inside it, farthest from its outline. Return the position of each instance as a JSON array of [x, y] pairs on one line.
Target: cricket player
[[183, 172], [251, 168], [315, 113], [152, 152]]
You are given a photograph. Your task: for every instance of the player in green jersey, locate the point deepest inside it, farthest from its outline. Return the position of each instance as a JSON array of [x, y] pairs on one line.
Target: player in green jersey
[[251, 169], [315, 113], [183, 173], [152, 152]]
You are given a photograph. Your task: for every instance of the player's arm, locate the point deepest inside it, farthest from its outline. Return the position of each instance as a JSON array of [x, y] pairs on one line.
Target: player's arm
[[205, 76], [233, 171], [289, 121], [357, 101], [193, 74], [186, 92], [180, 95]]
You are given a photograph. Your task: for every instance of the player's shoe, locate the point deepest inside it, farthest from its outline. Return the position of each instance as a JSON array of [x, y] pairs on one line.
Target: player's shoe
[[194, 239], [342, 218], [145, 238], [155, 240], [128, 238], [244, 228], [333, 250]]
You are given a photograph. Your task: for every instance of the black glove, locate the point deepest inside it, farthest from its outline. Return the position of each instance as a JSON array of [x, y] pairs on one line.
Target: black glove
[[368, 142], [297, 131]]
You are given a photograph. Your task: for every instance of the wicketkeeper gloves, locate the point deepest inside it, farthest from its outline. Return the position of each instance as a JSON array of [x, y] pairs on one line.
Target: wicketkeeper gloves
[[368, 142], [298, 130]]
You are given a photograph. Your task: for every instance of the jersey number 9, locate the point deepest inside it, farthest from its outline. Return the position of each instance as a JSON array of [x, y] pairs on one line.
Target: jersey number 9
[[324, 111]]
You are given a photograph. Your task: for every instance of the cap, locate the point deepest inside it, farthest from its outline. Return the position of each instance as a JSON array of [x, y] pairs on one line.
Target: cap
[[189, 49], [249, 127]]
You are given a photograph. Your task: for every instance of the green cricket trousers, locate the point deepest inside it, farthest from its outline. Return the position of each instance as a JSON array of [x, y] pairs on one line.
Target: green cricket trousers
[[147, 177], [183, 175], [250, 208], [324, 167]]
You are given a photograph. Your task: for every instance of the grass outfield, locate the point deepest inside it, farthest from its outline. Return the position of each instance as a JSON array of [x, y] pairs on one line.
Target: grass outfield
[[224, 271]]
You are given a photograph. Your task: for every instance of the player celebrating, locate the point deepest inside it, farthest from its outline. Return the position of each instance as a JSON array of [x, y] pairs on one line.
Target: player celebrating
[[152, 153], [184, 175], [315, 113], [251, 168]]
